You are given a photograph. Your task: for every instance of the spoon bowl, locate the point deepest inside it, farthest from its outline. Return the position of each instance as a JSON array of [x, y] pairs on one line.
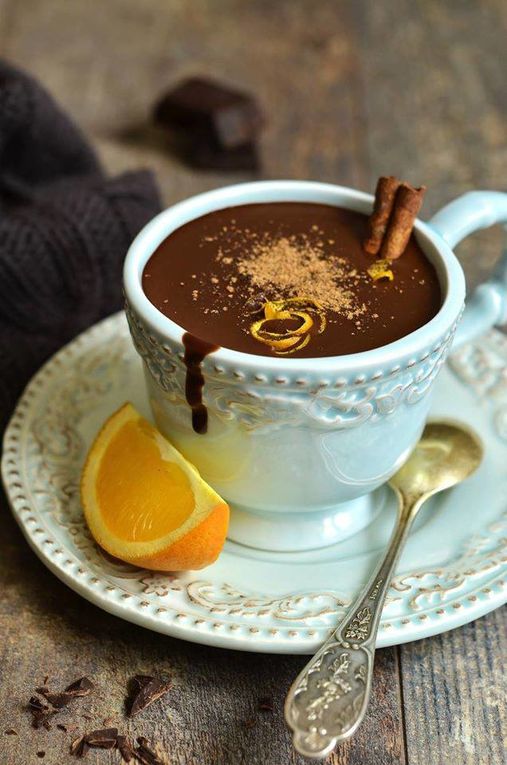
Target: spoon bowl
[[446, 454]]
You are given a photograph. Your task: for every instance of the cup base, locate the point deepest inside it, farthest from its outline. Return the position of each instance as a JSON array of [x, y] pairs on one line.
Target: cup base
[[294, 532]]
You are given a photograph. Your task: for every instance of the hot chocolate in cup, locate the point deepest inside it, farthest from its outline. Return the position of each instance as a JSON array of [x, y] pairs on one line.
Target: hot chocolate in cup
[[300, 447]]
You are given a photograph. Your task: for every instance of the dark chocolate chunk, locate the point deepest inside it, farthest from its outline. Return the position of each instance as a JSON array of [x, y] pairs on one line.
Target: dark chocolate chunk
[[146, 755], [208, 156], [220, 114], [41, 754], [36, 705], [139, 681], [84, 748], [104, 738], [265, 704], [57, 700], [40, 712], [125, 748], [79, 746], [81, 687], [146, 690], [78, 688]]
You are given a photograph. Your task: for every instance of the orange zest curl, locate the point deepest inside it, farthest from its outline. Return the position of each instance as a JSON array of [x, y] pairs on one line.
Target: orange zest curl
[[305, 310], [381, 270]]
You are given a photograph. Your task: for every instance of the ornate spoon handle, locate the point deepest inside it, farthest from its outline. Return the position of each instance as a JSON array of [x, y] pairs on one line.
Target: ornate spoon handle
[[328, 700]]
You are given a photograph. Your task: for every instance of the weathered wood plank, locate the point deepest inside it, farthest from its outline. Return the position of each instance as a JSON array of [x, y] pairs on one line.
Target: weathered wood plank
[[455, 693]]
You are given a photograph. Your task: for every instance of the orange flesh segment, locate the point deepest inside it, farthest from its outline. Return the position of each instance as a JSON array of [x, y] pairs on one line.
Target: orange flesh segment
[[149, 497]]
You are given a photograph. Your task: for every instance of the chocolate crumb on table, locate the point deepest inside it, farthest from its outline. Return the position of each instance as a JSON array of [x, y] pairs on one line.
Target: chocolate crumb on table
[[104, 738], [125, 748], [75, 690], [40, 713], [146, 755], [145, 691], [79, 747]]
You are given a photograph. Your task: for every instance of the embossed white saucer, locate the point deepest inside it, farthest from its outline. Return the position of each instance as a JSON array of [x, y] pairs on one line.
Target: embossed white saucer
[[453, 570]]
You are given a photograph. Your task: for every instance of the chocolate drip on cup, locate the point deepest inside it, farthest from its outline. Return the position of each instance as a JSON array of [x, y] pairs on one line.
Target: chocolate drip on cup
[[195, 352]]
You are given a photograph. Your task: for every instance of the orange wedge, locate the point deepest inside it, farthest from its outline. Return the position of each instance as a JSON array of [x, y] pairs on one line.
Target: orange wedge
[[144, 503]]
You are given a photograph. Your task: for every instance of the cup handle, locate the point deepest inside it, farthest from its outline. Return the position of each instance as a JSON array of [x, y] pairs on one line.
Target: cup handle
[[487, 307]]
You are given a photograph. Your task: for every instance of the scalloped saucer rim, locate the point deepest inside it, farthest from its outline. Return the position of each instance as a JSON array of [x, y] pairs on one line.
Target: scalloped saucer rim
[[455, 574]]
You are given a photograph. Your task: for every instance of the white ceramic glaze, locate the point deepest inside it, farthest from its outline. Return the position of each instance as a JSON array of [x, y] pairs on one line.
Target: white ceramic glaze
[[296, 446], [454, 568]]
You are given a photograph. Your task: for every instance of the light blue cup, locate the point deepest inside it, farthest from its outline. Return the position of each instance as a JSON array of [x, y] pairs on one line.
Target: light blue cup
[[299, 446]]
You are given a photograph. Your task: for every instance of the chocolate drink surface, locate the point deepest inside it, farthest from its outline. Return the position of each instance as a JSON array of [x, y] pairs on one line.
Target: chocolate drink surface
[[288, 279]]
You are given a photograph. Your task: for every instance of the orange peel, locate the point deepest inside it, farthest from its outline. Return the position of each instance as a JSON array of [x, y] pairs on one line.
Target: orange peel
[[145, 503], [381, 270], [306, 310]]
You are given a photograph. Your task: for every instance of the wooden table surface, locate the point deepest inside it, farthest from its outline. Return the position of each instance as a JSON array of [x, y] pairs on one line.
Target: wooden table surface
[[352, 90]]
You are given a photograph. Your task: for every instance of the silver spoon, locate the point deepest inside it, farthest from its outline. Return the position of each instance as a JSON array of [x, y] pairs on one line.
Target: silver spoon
[[328, 700]]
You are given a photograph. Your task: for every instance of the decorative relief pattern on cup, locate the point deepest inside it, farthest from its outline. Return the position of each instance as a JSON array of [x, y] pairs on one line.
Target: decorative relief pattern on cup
[[159, 360], [230, 397]]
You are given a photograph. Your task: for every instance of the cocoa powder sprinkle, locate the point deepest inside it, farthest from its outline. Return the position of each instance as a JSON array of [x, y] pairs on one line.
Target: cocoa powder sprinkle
[[295, 266]]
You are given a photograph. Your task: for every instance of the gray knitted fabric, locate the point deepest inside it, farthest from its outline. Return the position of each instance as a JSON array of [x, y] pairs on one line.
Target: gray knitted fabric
[[64, 231]]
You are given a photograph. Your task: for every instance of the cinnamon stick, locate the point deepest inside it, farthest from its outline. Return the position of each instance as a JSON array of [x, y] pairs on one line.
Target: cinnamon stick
[[385, 194], [407, 203]]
